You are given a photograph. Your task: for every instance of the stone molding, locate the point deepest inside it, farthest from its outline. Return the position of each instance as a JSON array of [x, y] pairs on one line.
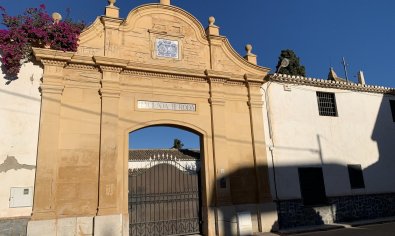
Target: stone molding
[[110, 62], [113, 69], [52, 55], [163, 75], [299, 80], [78, 66], [51, 89], [49, 62], [96, 29], [217, 80], [136, 11], [110, 22]]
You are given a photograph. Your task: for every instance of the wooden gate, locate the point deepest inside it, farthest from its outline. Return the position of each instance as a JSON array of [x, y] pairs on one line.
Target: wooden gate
[[164, 197]]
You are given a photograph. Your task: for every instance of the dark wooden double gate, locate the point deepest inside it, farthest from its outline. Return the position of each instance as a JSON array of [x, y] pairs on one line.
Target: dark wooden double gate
[[164, 197]]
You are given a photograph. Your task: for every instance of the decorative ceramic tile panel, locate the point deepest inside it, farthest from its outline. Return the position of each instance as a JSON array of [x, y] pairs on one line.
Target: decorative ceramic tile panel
[[166, 48]]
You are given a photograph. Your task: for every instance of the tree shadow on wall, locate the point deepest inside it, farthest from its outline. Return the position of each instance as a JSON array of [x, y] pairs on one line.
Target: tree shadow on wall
[[375, 199], [9, 78]]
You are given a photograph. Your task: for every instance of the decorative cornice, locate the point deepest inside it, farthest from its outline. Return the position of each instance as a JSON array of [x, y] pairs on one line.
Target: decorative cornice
[[80, 59], [217, 80], [109, 61], [111, 69], [50, 54], [254, 79], [329, 84], [255, 104], [216, 101], [110, 93], [51, 89], [75, 66], [49, 62], [162, 75], [133, 66], [235, 83]]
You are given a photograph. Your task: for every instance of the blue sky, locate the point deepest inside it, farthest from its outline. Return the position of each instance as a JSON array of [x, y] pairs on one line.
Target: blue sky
[[162, 137], [321, 32]]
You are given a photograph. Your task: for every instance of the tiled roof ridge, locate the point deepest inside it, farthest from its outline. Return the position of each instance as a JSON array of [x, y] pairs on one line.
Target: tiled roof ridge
[[184, 154], [330, 83], [162, 149]]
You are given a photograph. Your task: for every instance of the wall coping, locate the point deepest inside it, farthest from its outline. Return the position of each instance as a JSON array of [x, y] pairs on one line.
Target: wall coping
[[300, 80]]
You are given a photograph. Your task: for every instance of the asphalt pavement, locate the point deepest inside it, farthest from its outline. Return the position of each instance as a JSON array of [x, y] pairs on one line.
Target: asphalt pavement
[[383, 229]]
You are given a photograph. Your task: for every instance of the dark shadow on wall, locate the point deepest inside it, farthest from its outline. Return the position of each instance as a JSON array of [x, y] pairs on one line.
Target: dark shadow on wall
[[375, 200], [379, 176], [9, 78]]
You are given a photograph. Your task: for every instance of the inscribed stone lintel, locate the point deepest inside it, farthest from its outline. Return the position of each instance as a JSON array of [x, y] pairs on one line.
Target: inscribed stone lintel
[[155, 105]]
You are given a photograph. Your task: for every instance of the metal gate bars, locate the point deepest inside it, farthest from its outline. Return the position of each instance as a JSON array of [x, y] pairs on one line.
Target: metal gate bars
[[164, 197]]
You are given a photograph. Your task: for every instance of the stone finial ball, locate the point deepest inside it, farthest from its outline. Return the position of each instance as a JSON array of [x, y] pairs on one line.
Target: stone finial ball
[[56, 17], [211, 20], [248, 48], [111, 2]]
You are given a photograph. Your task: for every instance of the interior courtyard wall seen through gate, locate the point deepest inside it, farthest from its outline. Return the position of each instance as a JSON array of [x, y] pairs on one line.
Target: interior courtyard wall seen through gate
[[158, 66]]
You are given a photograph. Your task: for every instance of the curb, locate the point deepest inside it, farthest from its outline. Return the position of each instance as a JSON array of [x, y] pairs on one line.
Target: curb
[[327, 227]]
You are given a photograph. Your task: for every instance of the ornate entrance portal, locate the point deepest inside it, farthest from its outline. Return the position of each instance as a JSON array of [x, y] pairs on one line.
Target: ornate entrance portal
[[164, 194], [157, 66]]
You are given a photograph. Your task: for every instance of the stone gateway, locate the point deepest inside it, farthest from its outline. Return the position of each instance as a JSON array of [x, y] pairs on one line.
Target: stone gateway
[[158, 66]]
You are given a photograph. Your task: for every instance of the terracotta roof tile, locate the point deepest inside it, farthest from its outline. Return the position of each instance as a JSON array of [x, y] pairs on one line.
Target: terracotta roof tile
[[181, 154]]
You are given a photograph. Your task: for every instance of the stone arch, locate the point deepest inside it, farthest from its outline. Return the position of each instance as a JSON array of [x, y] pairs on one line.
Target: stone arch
[[90, 102], [206, 162]]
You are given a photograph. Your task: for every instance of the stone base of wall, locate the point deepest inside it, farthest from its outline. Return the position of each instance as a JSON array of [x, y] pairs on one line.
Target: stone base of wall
[[64, 226], [261, 218], [13, 226], [292, 213]]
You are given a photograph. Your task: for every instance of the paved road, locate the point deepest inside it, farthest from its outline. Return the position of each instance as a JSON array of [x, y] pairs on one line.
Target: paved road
[[385, 229]]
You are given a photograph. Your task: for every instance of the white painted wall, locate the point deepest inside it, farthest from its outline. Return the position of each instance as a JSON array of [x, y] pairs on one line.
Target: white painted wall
[[19, 122], [363, 133], [179, 164]]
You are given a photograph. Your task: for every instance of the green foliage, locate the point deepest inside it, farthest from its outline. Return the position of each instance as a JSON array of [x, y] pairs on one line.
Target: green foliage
[[177, 144], [294, 67]]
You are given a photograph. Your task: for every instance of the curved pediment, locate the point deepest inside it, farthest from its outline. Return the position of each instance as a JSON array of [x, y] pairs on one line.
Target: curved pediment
[[147, 26], [164, 37]]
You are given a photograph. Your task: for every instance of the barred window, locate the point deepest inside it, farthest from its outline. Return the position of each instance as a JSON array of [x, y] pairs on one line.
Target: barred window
[[326, 104]]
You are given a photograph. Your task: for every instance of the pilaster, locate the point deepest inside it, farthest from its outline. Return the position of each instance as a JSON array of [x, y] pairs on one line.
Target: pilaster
[[111, 164], [48, 146], [218, 126], [258, 141], [112, 37]]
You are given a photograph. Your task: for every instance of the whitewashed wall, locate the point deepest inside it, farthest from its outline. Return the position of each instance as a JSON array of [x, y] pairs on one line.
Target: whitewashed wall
[[363, 133], [19, 122]]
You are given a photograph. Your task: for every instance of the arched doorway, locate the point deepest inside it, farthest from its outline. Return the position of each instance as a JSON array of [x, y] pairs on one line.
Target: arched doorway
[[119, 82], [164, 181]]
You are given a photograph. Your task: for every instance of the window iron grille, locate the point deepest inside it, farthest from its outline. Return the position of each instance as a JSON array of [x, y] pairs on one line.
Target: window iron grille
[[326, 104]]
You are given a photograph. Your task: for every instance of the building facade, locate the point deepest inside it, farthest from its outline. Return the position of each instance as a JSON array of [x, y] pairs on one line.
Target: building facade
[[285, 151], [331, 151], [19, 125], [158, 66]]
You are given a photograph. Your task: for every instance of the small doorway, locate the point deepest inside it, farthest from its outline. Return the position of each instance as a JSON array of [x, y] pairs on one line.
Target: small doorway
[[164, 181]]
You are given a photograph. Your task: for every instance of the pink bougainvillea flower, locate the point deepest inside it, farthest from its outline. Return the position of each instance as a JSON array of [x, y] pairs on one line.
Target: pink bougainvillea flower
[[34, 28]]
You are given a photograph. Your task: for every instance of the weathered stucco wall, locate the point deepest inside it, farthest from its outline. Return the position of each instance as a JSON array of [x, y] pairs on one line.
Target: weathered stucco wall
[[362, 133], [19, 123]]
